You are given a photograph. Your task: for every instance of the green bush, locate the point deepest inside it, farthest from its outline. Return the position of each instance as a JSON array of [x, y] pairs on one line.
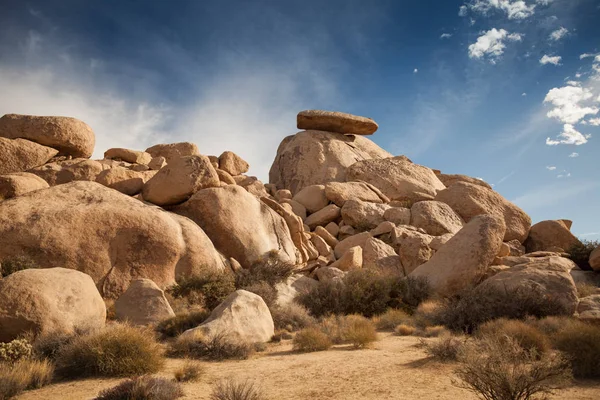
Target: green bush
[[118, 350], [23, 375], [269, 269], [17, 263], [143, 388], [580, 253], [265, 291], [311, 339], [208, 289], [175, 326], [580, 341], [525, 335], [15, 350], [215, 347], [291, 317], [236, 390]]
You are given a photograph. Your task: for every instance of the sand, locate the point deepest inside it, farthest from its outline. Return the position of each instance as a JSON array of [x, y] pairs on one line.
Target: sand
[[395, 368]]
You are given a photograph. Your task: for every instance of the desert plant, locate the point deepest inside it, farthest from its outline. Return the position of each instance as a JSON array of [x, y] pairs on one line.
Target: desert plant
[[411, 291], [311, 339], [269, 269], [15, 350], [236, 390], [580, 253], [143, 388], [17, 263], [444, 349], [432, 331], [549, 326], [175, 326], [404, 330], [427, 313], [334, 327], [265, 291], [359, 331], [391, 319], [292, 317], [215, 347], [367, 292], [23, 375], [502, 370], [325, 298], [190, 371], [118, 350], [580, 342], [208, 289], [586, 289], [526, 335]]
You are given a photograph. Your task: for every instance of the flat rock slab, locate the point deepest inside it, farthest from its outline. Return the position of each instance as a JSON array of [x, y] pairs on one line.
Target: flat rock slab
[[333, 121]]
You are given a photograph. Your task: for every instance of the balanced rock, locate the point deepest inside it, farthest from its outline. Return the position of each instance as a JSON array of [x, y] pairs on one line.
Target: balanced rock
[[143, 303], [334, 121], [547, 234], [232, 163], [340, 192], [435, 217], [70, 136], [19, 155], [19, 183], [241, 316], [173, 151], [130, 156], [47, 300]]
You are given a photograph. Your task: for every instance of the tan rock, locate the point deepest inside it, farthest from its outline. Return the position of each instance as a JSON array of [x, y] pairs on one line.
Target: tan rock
[[47, 300], [130, 156], [322, 247], [383, 228], [332, 228], [351, 259], [470, 200], [362, 215], [448, 179], [172, 151], [294, 286], [283, 194], [225, 177], [69, 136], [157, 163], [323, 216], [435, 217], [242, 316], [548, 234], [317, 157], [296, 207], [397, 177], [179, 180], [439, 241], [19, 155], [352, 241], [334, 121], [397, 215], [19, 183], [340, 192], [380, 256], [516, 248], [327, 236], [124, 180], [595, 259], [78, 169], [325, 274], [143, 303], [312, 197], [464, 259], [589, 308], [412, 247], [232, 163], [214, 160], [345, 232]]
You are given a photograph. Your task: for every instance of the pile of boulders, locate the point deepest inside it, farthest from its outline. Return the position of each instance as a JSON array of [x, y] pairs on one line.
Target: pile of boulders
[[137, 222]]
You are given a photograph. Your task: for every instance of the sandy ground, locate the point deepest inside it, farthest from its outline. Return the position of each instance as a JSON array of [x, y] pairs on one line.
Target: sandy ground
[[393, 369]]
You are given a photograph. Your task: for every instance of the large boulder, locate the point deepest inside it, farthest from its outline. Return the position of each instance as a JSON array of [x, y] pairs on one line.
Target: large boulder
[[232, 163], [47, 300], [312, 197], [143, 303], [435, 217], [108, 235], [124, 180], [340, 192], [130, 156], [380, 256], [294, 286], [19, 155], [589, 308], [19, 183], [317, 157], [470, 200], [179, 180], [239, 224], [548, 234], [78, 169], [173, 151], [450, 179], [323, 216], [70, 136], [362, 215], [412, 246], [397, 177], [464, 259], [334, 121], [241, 316], [595, 259]]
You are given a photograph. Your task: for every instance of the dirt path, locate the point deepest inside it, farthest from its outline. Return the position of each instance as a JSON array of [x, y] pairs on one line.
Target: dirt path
[[393, 369]]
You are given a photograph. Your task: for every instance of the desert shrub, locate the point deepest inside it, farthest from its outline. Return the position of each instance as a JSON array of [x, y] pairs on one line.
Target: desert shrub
[[143, 388], [580, 253], [432, 331], [334, 327], [291, 317], [359, 331], [410, 291], [15, 350], [427, 313], [48, 345], [208, 289], [472, 308], [17, 263], [236, 390], [444, 349], [367, 292], [23, 375], [269, 269], [325, 298], [214, 347], [118, 350], [586, 289], [404, 330], [581, 344], [525, 335], [280, 335], [111, 312], [311, 339], [175, 326], [391, 319], [190, 371], [265, 291]]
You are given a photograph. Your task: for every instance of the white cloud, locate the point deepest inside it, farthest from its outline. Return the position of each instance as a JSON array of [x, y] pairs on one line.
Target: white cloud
[[523, 94], [573, 83], [513, 9], [491, 44], [544, 2], [446, 36], [578, 75], [550, 168], [416, 70], [564, 174], [593, 121], [462, 11], [567, 102], [559, 34], [586, 55], [554, 60], [569, 135], [597, 58], [574, 155]]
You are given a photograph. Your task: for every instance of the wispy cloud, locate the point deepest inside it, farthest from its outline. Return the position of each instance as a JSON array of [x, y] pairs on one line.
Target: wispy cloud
[[559, 34], [491, 44], [513, 9], [550, 168], [446, 36], [574, 155], [554, 60]]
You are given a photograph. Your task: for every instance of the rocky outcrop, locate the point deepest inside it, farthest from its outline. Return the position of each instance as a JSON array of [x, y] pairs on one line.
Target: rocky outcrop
[[79, 169], [20, 155], [589, 308], [333, 121], [127, 155], [19, 183], [546, 235], [323, 216], [450, 179], [340, 192], [173, 151], [124, 180], [143, 303], [435, 217], [362, 215], [294, 286], [380, 256], [412, 246], [232, 163], [47, 300]]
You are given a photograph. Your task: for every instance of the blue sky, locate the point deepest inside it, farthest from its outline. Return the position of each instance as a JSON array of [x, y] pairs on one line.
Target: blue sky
[[496, 89]]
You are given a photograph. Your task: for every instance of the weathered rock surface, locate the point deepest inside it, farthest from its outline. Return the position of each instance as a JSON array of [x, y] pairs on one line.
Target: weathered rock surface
[[124, 180], [362, 215], [340, 192], [19, 155], [412, 246], [450, 179], [464, 259], [325, 274], [324, 216], [333, 121], [294, 286], [312, 197], [352, 241], [173, 151], [435, 217], [79, 169], [127, 155], [351, 259], [69, 136], [232, 163], [381, 256], [46, 300], [589, 308], [547, 234], [241, 316], [143, 303], [397, 215], [19, 183], [470, 200], [595, 259]]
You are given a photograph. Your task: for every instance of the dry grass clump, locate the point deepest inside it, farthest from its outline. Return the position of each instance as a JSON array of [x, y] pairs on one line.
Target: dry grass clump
[[48, 345], [17, 263], [391, 319], [586, 289], [311, 339], [118, 350], [190, 371], [175, 326], [404, 330], [502, 370], [432, 331], [291, 317], [525, 335], [359, 331], [445, 349], [15, 350], [24, 375], [208, 289], [236, 390], [580, 342], [143, 388], [216, 347], [427, 313], [550, 325]]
